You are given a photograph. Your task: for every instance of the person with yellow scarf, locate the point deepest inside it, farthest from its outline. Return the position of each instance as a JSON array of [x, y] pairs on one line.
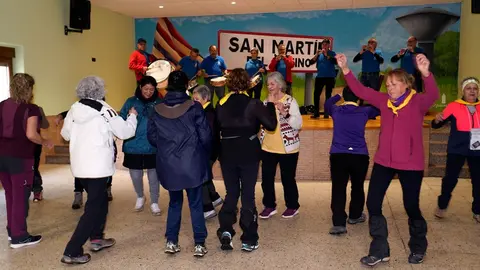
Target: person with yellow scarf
[[400, 151], [463, 144]]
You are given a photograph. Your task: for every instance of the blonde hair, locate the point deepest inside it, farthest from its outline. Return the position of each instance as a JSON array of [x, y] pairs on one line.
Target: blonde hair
[[402, 76], [21, 88]]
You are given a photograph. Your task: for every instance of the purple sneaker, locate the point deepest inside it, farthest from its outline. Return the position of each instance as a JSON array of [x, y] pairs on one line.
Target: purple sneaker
[[290, 213], [267, 213]]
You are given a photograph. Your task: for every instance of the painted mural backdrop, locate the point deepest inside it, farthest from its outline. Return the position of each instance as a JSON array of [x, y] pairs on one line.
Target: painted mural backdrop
[[349, 29]]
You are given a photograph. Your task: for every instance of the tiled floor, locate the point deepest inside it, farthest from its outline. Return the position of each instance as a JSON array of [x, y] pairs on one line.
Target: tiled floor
[[301, 243]]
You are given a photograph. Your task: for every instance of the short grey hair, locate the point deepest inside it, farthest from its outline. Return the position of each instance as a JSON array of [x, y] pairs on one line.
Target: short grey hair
[[204, 92], [278, 78], [91, 87]]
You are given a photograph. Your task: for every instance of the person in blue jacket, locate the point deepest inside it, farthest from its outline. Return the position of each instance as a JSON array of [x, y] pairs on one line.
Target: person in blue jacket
[[139, 153], [180, 131]]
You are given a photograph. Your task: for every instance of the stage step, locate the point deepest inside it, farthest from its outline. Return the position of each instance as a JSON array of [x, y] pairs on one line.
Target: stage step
[[57, 159], [61, 149]]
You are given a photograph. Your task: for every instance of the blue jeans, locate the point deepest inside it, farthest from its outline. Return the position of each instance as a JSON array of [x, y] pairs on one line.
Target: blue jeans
[[174, 218]]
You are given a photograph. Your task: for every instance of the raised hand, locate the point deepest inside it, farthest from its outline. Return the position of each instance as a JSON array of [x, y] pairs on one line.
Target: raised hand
[[342, 62], [423, 64]]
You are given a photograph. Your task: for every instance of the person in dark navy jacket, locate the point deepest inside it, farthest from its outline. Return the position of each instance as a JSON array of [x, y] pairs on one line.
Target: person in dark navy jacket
[[463, 144], [179, 130]]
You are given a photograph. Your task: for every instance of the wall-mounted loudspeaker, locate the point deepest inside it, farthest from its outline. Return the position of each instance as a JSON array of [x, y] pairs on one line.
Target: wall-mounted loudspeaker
[[80, 14]]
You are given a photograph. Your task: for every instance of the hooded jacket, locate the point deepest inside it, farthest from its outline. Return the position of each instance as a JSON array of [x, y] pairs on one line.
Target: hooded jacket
[[145, 107], [180, 131], [462, 122], [90, 130]]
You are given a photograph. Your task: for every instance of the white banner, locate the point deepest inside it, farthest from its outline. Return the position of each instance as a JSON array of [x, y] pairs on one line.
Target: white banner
[[235, 46]]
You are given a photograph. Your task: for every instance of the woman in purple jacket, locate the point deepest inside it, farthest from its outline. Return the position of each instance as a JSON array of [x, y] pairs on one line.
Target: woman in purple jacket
[[400, 151]]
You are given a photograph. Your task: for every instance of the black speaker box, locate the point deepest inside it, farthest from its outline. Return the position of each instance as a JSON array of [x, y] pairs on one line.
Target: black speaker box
[[476, 6], [80, 14]]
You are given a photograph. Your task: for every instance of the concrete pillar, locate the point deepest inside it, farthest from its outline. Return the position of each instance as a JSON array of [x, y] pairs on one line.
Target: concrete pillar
[[469, 56]]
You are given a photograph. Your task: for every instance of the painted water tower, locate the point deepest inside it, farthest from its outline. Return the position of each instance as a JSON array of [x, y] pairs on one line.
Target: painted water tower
[[426, 25]]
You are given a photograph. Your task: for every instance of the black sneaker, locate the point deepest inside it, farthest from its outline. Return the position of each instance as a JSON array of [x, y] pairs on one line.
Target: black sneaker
[[372, 260], [415, 258], [315, 116], [361, 219], [85, 258], [226, 241], [337, 230], [31, 240]]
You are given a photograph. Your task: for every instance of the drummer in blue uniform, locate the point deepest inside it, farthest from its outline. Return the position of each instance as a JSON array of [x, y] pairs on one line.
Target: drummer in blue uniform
[[253, 67], [190, 65], [214, 66]]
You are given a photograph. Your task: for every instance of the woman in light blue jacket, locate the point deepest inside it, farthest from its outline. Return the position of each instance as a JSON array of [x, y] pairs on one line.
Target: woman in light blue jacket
[[139, 153]]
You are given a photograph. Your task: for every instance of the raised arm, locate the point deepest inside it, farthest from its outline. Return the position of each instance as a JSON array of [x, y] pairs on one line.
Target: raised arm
[[372, 96], [379, 57], [122, 129], [273, 64], [132, 64], [431, 94], [290, 61], [330, 104], [357, 58], [266, 115]]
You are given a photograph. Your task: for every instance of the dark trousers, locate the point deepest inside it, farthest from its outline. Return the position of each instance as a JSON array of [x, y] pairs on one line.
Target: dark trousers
[[450, 180], [16, 176], [92, 223], [418, 82], [343, 167], [80, 188], [219, 90], [174, 218], [209, 193], [288, 91], [288, 170], [37, 177], [256, 91], [370, 79], [411, 182], [240, 181], [329, 84]]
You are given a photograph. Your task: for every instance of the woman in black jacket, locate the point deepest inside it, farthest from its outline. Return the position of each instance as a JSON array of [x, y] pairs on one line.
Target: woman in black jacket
[[239, 118]]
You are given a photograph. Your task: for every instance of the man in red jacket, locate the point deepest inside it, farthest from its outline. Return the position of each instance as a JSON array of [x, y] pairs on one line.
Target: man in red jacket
[[283, 64], [140, 60]]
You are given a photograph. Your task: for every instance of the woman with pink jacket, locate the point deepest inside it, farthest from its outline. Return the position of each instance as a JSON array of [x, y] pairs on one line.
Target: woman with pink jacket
[[400, 151]]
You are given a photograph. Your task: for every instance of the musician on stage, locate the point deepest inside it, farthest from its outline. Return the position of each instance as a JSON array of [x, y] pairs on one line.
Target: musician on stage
[[371, 58], [407, 61], [140, 60], [284, 64], [326, 74], [255, 66], [213, 66], [190, 64]]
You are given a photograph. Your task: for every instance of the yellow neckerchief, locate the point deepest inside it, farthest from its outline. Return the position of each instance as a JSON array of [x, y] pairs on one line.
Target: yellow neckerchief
[[349, 103], [394, 108], [461, 101], [226, 97], [206, 105]]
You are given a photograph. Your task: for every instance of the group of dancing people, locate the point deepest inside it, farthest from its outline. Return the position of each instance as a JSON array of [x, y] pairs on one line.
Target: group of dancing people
[[178, 138]]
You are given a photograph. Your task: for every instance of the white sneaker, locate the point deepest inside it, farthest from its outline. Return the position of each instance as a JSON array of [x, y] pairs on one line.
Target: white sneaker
[[139, 204], [217, 202], [155, 209]]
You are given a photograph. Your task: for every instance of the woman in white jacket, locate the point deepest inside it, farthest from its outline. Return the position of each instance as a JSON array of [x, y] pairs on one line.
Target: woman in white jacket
[[281, 147], [90, 126]]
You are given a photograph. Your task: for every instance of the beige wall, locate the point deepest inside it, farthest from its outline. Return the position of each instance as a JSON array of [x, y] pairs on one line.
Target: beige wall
[[58, 62], [469, 62]]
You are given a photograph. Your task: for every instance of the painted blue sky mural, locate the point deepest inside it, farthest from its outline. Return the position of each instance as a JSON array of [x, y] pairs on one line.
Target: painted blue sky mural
[[349, 28]]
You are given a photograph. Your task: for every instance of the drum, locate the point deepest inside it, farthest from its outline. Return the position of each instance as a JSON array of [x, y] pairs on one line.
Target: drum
[[192, 84], [255, 80], [160, 70], [219, 81]]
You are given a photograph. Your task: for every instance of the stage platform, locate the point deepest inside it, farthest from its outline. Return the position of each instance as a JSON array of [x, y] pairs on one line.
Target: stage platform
[[315, 141]]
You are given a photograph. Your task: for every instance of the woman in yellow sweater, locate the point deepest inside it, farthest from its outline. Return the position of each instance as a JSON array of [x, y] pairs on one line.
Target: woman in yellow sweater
[[281, 146]]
